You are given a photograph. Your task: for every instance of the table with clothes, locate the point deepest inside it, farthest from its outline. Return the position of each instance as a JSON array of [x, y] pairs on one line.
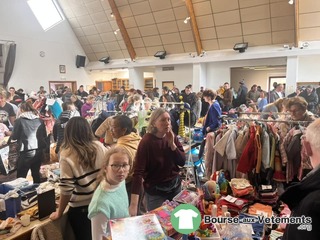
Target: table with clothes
[[25, 208]]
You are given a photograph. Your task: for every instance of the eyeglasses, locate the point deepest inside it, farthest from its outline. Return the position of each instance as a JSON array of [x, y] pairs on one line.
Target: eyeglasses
[[117, 167], [295, 110]]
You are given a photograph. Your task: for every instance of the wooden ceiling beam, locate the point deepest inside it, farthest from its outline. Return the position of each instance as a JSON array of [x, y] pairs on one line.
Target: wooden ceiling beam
[[194, 26], [296, 24], [123, 29]]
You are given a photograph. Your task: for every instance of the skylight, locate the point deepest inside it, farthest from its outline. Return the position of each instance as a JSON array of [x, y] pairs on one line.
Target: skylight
[[47, 13]]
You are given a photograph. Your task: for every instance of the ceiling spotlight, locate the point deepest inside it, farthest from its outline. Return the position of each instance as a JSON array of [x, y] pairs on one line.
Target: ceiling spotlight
[[126, 61], [116, 31], [192, 55], [161, 54], [186, 20], [111, 15], [291, 2], [203, 53], [105, 60], [304, 45], [241, 47]]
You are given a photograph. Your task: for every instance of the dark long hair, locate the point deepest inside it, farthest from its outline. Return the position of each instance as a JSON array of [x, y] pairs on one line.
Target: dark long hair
[[27, 107], [79, 139], [124, 123]]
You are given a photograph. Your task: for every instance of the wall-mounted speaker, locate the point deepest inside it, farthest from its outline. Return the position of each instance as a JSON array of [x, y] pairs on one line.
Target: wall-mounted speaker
[[80, 61]]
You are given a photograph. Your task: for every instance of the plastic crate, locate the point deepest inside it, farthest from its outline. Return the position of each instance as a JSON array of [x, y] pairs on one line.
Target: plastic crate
[[13, 205]]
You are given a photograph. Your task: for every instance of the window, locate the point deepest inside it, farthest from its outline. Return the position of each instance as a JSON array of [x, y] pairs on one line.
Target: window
[[47, 13]]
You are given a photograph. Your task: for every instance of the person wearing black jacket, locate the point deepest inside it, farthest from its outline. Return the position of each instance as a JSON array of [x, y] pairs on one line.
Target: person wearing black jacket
[[77, 103], [121, 96], [30, 132], [81, 92], [303, 198], [69, 111], [311, 97]]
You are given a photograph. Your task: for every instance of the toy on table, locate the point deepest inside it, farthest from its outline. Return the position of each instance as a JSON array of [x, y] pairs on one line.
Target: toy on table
[[186, 196], [163, 214], [221, 177], [207, 231], [173, 204], [210, 196]]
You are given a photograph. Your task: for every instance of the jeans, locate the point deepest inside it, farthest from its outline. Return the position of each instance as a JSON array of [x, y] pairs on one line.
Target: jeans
[[80, 223], [155, 201], [30, 160]]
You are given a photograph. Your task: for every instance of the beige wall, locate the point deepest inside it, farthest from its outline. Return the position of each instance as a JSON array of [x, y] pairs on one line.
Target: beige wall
[[259, 77]]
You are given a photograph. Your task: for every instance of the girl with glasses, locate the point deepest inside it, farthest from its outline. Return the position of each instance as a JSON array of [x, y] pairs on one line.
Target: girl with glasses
[[110, 199]]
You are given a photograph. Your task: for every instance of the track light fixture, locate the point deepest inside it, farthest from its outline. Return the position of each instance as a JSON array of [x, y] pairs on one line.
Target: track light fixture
[[291, 2], [186, 20], [161, 54], [105, 60], [203, 53], [241, 47], [111, 15], [116, 31]]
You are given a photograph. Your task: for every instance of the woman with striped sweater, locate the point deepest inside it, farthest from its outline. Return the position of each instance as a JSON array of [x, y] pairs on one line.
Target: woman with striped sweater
[[81, 158]]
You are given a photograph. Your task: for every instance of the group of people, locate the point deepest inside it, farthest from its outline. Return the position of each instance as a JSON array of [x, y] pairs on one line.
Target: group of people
[[100, 182]]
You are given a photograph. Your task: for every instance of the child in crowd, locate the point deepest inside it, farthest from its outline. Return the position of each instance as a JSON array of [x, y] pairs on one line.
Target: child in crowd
[[110, 199]]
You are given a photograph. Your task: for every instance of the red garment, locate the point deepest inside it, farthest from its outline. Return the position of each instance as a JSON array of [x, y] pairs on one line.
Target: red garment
[[248, 158]]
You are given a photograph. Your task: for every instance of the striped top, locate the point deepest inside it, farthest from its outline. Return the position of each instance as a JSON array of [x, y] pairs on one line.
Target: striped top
[[76, 181]]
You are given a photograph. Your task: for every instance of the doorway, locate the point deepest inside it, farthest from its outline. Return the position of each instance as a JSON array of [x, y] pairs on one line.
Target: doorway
[[56, 85]]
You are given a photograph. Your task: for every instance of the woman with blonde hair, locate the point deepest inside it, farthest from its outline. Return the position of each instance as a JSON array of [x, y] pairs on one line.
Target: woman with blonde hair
[[272, 108], [81, 158], [157, 163]]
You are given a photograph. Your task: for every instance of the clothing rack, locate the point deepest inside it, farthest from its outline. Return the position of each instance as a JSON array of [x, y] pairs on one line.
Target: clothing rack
[[117, 111], [265, 120], [261, 113], [172, 103]]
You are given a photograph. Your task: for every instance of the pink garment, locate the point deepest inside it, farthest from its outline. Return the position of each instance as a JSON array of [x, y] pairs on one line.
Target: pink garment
[[209, 153]]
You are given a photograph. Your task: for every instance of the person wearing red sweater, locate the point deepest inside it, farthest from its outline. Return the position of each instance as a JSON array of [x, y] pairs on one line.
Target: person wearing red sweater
[[157, 163]]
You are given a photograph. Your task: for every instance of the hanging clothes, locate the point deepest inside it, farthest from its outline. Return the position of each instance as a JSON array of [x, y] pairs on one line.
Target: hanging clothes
[[248, 158]]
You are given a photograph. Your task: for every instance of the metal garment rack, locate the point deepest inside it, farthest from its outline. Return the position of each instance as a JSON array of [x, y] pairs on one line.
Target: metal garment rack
[[262, 113], [265, 120]]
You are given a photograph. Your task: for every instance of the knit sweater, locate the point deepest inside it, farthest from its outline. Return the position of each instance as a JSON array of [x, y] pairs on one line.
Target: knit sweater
[[77, 181], [112, 201], [155, 162]]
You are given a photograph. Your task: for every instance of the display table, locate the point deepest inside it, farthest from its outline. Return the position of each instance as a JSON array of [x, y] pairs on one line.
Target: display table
[[61, 225]]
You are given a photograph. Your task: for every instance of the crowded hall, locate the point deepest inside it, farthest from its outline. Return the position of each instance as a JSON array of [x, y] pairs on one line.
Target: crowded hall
[[159, 120]]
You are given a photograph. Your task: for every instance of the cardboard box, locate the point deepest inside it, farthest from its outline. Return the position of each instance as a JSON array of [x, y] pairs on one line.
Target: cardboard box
[[163, 214]]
